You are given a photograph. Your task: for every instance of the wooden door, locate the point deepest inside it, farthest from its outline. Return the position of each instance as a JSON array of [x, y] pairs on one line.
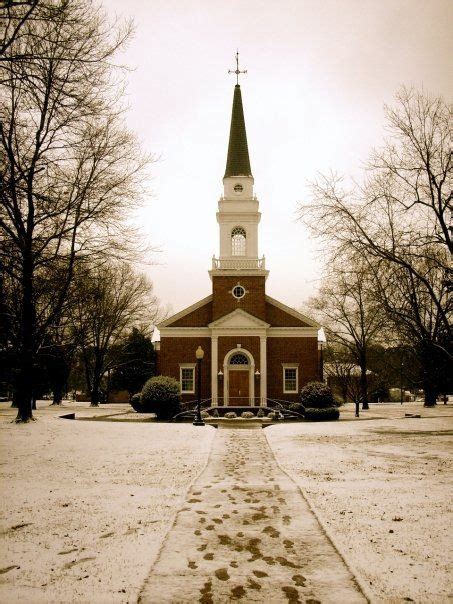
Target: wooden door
[[238, 393]]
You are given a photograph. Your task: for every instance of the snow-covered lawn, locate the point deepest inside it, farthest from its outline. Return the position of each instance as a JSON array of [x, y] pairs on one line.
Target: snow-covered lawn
[[86, 504], [383, 490]]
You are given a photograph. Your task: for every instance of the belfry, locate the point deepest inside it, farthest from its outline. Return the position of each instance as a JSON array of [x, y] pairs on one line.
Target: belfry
[[256, 348]]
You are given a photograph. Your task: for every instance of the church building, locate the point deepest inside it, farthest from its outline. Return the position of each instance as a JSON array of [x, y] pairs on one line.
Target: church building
[[255, 347]]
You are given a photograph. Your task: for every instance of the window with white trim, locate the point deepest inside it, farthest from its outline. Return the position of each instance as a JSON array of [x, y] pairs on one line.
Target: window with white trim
[[238, 236], [290, 379], [187, 378]]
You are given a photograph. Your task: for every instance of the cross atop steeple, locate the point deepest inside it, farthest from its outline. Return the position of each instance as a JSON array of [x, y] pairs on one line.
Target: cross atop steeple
[[237, 71]]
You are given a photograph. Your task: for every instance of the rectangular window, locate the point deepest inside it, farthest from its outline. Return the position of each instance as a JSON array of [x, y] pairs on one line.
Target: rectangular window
[[187, 379], [290, 379]]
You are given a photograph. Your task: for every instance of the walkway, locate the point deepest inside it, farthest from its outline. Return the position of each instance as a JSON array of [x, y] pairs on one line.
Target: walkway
[[246, 533]]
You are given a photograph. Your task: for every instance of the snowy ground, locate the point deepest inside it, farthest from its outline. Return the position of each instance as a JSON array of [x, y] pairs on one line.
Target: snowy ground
[[383, 490], [85, 505]]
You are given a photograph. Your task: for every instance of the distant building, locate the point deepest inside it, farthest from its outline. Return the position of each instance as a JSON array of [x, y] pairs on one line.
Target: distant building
[[255, 347]]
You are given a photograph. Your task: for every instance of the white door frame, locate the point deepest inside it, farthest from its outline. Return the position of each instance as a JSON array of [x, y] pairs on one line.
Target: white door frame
[[226, 377]]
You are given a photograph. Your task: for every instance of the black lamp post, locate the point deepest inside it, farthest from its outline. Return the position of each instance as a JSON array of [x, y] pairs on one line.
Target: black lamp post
[[199, 353], [321, 361]]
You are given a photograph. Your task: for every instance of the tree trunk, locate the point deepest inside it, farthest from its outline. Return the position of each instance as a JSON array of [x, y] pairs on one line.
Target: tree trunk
[[24, 383], [57, 392], [14, 401], [95, 394], [96, 379], [363, 382], [430, 361], [95, 387], [430, 397]]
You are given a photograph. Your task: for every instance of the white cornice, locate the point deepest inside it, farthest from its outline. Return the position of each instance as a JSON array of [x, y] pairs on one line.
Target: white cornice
[[269, 332], [292, 332], [293, 312], [239, 273], [185, 332], [184, 312]]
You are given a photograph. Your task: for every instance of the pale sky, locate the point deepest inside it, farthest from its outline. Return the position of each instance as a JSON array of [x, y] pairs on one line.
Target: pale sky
[[319, 72]]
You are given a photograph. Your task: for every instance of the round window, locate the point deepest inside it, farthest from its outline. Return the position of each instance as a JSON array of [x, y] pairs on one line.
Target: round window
[[238, 188], [238, 292]]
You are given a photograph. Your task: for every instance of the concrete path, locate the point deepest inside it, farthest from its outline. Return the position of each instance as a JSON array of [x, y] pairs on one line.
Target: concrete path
[[246, 533]]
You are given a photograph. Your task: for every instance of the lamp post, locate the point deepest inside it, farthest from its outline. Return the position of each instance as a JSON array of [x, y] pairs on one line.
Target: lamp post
[[199, 354], [321, 360]]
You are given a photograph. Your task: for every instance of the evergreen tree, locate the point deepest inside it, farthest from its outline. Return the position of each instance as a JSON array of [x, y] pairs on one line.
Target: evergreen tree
[[136, 364]]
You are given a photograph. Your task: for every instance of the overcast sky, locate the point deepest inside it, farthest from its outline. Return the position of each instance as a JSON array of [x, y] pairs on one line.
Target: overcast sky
[[319, 72]]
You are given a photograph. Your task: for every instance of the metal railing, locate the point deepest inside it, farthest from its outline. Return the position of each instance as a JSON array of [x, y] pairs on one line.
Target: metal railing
[[240, 404], [238, 263]]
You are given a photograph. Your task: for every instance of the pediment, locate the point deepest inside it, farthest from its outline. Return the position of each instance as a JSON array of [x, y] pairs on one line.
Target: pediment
[[192, 316], [239, 319], [280, 315]]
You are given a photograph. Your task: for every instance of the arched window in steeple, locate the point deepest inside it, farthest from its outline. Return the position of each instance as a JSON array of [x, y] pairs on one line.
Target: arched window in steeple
[[238, 241]]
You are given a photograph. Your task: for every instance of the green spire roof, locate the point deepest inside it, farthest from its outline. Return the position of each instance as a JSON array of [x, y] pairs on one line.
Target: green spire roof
[[238, 162]]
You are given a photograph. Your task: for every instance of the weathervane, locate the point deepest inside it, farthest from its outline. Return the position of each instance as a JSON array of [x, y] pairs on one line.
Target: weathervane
[[237, 71]]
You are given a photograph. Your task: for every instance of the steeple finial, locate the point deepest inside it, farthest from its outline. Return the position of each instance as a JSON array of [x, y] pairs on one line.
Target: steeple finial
[[237, 71]]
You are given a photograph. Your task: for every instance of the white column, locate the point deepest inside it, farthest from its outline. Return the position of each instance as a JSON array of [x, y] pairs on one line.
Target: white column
[[263, 369], [214, 368]]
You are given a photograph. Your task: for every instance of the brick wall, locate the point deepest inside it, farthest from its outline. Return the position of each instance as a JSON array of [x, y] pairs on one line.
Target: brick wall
[[198, 318], [174, 351], [279, 318], [290, 350], [224, 302]]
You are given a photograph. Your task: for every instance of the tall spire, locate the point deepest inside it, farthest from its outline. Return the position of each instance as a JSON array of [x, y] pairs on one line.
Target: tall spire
[[238, 162]]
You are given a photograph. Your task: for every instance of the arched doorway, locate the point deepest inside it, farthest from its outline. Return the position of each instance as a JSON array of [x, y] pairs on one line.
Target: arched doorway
[[239, 370]]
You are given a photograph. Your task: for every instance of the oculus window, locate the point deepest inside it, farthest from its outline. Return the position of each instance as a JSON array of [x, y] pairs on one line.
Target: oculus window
[[238, 292]]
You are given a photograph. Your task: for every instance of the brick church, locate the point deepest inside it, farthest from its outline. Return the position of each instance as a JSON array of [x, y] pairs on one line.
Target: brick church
[[255, 348]]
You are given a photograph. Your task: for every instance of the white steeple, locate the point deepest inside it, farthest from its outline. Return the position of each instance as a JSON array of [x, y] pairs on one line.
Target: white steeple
[[238, 214]]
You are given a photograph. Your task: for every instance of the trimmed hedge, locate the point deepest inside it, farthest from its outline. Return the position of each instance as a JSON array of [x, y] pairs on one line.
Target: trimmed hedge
[[321, 415], [316, 395], [135, 402], [161, 395], [247, 414], [230, 415]]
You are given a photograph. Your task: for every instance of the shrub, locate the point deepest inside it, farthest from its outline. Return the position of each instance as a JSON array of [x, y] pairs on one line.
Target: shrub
[[135, 402], [298, 407], [317, 395], [322, 415], [160, 395], [247, 414], [205, 414], [272, 415], [260, 413], [230, 415], [215, 413]]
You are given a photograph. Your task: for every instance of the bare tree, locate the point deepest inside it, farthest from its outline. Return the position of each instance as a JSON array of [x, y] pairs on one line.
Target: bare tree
[[398, 220], [70, 170], [13, 16], [108, 302], [348, 311], [338, 368], [415, 318]]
